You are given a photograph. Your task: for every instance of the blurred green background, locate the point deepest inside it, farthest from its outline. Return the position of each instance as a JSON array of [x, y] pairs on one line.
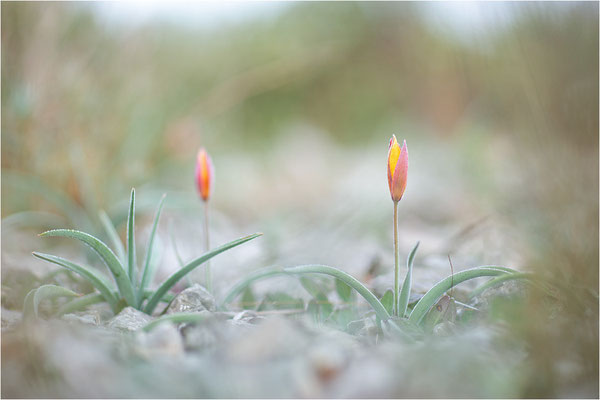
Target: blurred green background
[[296, 103]]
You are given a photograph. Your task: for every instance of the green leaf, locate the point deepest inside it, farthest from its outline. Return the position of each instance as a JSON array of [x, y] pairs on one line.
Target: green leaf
[[320, 306], [343, 290], [149, 269], [320, 310], [113, 235], [388, 300], [80, 304], [498, 267], [176, 276], [36, 296], [437, 291], [342, 317], [131, 261], [406, 286], [177, 318], [348, 279], [107, 256], [97, 280], [444, 309], [312, 287]]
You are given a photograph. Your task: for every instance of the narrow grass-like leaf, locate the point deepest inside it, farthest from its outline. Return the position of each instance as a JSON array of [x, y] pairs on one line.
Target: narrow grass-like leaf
[[176, 276], [106, 254], [498, 280], [500, 268], [313, 269], [113, 235], [80, 304], [437, 291], [131, 261], [97, 280], [388, 300], [36, 296], [406, 286], [176, 318], [148, 271]]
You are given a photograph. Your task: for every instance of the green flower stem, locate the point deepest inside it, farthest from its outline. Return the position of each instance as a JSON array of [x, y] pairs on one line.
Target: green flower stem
[[206, 248], [396, 261]]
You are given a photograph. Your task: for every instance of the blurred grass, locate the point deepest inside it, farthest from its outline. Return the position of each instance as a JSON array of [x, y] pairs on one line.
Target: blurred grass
[[510, 119]]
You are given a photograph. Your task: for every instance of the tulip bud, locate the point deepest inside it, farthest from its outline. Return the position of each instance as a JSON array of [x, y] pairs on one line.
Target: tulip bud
[[397, 168], [204, 174]]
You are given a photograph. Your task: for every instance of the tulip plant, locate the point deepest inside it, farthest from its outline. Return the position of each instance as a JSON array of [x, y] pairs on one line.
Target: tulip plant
[[396, 314], [392, 311], [131, 290], [397, 172]]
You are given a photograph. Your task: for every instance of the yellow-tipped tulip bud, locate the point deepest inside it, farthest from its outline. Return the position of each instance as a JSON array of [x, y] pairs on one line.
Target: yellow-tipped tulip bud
[[204, 174], [397, 168]]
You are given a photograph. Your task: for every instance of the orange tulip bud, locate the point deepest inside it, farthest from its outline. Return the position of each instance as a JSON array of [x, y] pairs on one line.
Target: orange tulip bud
[[204, 174], [397, 168]]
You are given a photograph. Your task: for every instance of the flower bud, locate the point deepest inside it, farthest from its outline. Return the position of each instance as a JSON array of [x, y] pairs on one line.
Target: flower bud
[[397, 168], [204, 174]]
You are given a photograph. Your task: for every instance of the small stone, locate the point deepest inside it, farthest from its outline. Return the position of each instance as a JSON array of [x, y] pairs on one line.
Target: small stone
[[193, 299], [129, 319], [247, 317]]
